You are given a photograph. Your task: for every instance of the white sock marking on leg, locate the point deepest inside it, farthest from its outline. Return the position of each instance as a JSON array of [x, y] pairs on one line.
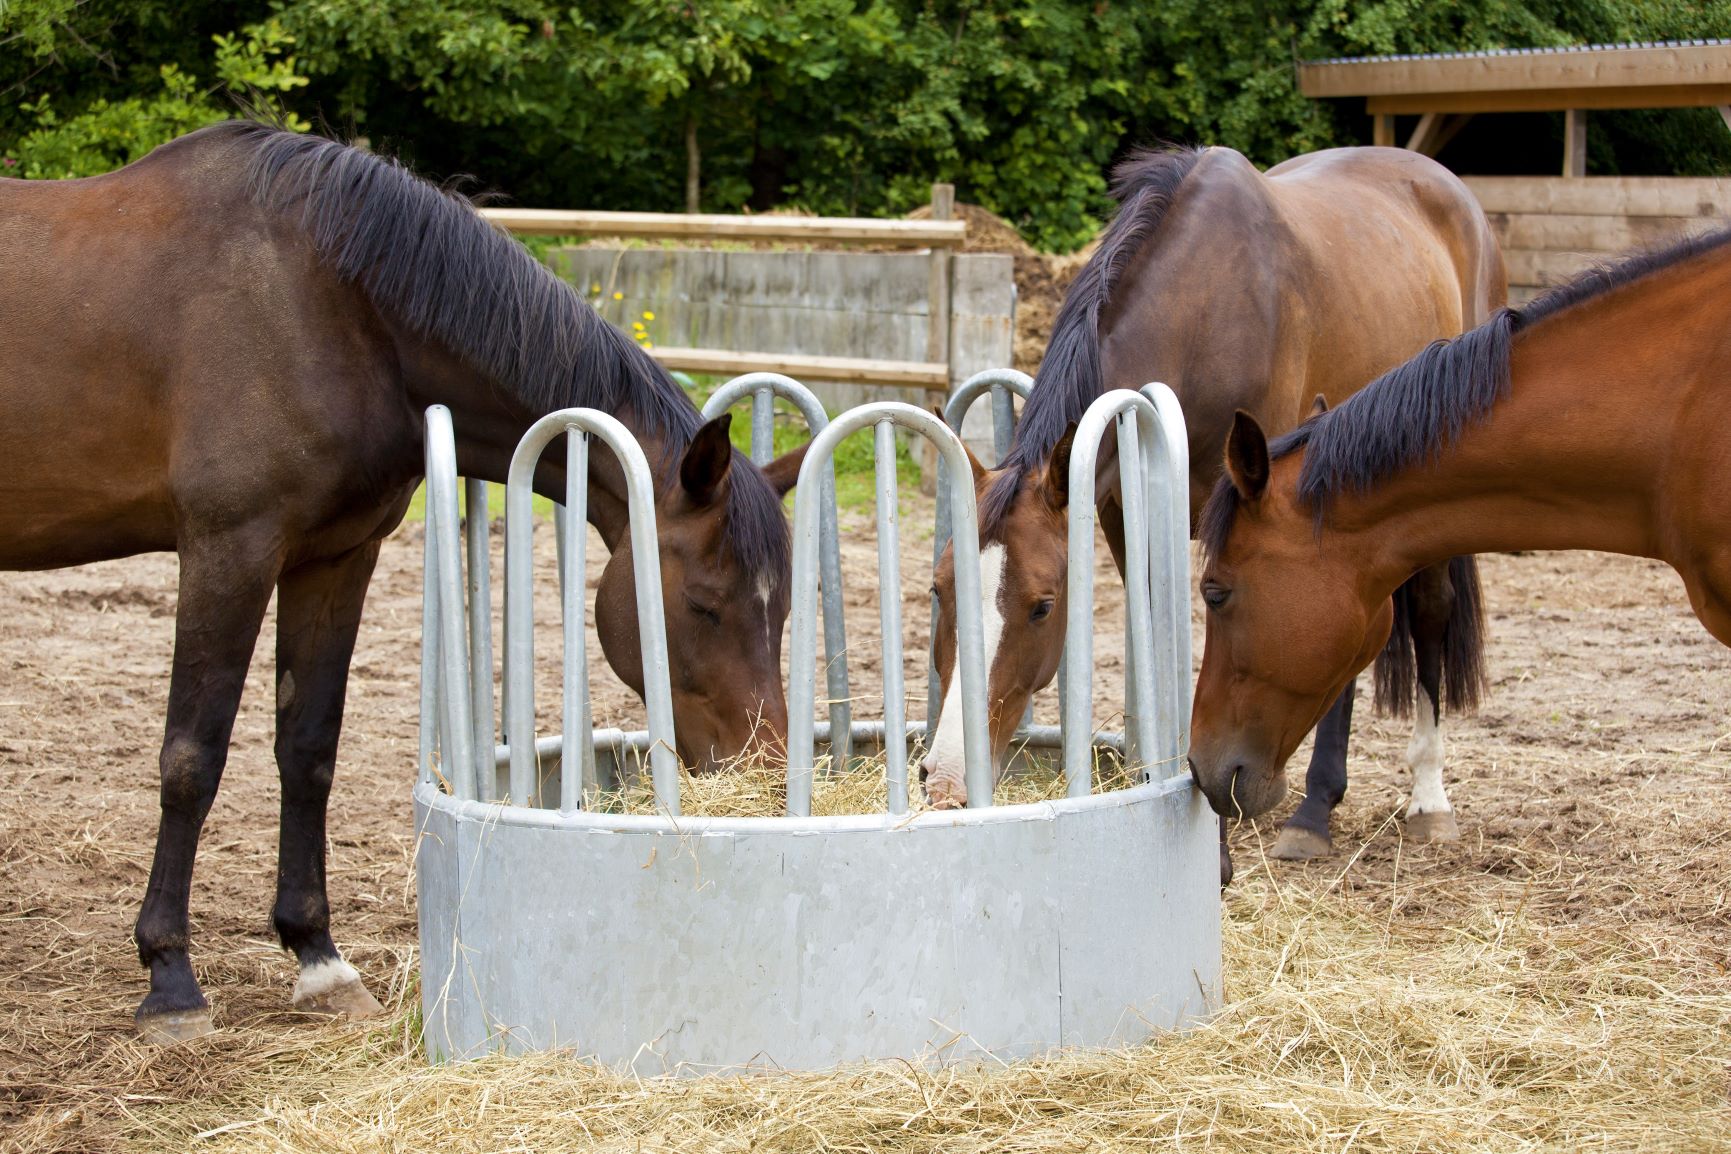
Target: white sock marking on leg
[[1425, 757], [322, 977]]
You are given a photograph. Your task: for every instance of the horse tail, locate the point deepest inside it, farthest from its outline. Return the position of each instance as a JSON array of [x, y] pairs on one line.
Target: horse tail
[[1464, 678], [1463, 645]]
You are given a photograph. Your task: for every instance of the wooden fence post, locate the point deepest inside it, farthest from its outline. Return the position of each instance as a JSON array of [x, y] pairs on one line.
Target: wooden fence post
[[938, 329]]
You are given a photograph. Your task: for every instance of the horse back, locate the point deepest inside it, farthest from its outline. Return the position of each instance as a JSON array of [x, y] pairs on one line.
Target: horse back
[[156, 332]]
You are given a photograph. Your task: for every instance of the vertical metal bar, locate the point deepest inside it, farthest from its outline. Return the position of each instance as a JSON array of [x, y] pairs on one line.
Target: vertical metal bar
[[1003, 422], [577, 748], [1174, 542], [762, 426], [429, 728], [834, 626], [560, 515], [1139, 729], [890, 614], [441, 472], [1078, 701], [480, 634]]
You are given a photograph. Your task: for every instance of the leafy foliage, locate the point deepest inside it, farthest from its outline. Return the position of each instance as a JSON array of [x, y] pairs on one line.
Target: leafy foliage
[[839, 106]]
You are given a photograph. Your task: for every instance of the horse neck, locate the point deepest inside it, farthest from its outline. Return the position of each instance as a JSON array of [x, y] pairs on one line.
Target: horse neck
[[489, 421], [1605, 400]]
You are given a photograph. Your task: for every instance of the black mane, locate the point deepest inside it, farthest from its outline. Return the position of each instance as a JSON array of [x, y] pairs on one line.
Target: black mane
[[1069, 379], [1411, 414], [425, 258]]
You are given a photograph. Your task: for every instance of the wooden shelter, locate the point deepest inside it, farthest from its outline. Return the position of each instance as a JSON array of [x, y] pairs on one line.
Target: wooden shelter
[[1445, 90]]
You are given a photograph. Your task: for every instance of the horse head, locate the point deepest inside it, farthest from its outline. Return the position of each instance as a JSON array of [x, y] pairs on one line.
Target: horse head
[[725, 604], [1290, 621], [1024, 552]]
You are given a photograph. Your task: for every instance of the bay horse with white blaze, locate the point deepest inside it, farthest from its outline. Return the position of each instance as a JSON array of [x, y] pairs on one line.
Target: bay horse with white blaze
[[225, 350], [1598, 417], [1240, 290]]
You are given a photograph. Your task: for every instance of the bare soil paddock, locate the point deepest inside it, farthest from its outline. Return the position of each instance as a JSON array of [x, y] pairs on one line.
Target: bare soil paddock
[[1559, 979]]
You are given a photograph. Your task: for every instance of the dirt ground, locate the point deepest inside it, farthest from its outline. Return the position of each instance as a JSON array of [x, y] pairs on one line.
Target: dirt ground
[[1593, 790]]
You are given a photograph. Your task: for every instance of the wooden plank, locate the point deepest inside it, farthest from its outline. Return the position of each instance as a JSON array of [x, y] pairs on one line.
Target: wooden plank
[[1605, 195], [1608, 234], [1382, 131], [1540, 267], [722, 226], [1601, 68], [934, 376], [1551, 99]]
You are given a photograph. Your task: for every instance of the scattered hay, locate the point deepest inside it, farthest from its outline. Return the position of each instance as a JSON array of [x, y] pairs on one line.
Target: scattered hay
[[756, 786], [1342, 1031]]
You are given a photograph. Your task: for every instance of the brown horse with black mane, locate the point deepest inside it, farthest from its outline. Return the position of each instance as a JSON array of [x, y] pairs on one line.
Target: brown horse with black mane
[[1598, 417], [1253, 291], [225, 350]]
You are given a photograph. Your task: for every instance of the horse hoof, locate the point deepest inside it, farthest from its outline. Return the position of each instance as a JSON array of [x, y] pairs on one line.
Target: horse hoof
[[1436, 825], [172, 1027], [346, 1000], [1296, 843]]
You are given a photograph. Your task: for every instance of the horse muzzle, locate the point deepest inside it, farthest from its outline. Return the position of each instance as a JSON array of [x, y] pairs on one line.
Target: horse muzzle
[[1239, 786]]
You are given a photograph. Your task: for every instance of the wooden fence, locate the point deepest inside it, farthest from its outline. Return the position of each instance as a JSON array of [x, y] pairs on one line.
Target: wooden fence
[[1552, 228]]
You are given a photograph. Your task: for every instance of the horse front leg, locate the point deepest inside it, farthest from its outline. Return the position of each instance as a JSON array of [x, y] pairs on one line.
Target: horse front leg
[[225, 584], [318, 615], [1429, 817], [1306, 836]]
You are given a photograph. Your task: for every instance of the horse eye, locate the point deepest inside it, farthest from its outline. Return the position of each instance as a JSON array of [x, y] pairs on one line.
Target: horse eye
[[935, 592], [1042, 611], [1215, 595], [708, 615]]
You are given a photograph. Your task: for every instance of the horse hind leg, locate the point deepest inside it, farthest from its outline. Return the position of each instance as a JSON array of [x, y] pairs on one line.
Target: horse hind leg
[[318, 615], [225, 585], [1305, 835], [1429, 816]]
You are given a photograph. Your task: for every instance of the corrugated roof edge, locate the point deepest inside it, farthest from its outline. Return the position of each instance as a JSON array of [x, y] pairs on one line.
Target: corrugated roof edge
[[1715, 42]]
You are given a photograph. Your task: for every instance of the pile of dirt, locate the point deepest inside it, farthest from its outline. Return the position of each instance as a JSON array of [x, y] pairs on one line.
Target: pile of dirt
[[1042, 279]]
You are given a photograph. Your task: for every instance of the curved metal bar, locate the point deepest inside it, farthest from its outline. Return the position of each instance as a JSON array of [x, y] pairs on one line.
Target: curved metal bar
[[976, 742], [475, 535], [457, 744], [755, 385], [1000, 383], [1147, 481], [519, 589], [1172, 597]]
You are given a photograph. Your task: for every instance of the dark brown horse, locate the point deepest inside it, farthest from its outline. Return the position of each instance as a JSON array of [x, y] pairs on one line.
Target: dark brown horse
[[1599, 417], [225, 350], [1240, 290]]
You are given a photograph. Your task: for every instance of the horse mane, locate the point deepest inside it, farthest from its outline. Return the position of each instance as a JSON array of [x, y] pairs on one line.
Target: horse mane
[[1414, 412], [1144, 185], [424, 257]]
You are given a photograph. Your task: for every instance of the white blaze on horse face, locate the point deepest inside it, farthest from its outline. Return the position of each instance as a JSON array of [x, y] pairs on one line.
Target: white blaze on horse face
[[946, 761], [1424, 754], [764, 588]]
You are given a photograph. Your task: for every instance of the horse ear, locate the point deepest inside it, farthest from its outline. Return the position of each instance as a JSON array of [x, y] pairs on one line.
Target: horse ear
[[707, 459], [783, 472], [1319, 406], [1247, 456], [1058, 471]]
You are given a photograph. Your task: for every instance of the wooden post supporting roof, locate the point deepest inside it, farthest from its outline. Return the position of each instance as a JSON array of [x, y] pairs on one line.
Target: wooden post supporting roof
[[1444, 88]]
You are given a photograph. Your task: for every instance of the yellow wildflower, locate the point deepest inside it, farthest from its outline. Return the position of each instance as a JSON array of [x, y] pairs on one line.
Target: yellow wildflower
[[596, 289], [618, 296], [648, 316]]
